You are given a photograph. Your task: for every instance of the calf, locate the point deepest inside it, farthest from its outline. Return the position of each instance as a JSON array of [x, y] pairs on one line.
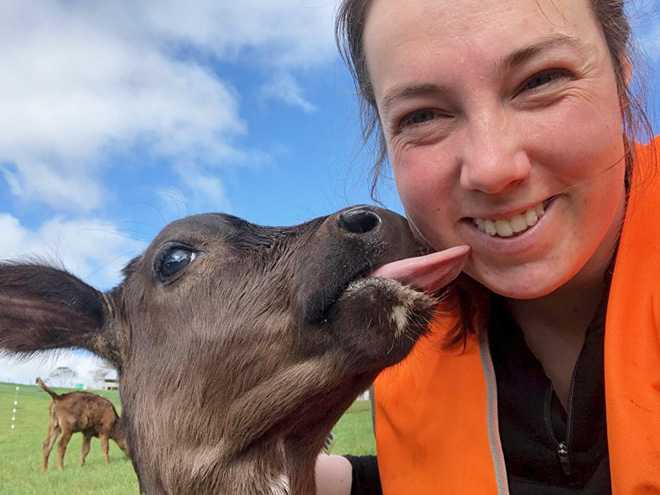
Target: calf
[[239, 346], [91, 414]]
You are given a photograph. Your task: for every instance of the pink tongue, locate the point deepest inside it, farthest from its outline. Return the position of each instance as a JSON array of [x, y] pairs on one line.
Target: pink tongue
[[429, 273]]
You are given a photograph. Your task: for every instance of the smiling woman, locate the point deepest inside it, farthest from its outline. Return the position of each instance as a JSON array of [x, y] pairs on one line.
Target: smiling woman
[[489, 122], [509, 126]]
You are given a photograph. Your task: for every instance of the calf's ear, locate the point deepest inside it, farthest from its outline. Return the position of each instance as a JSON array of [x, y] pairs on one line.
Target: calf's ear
[[42, 308]]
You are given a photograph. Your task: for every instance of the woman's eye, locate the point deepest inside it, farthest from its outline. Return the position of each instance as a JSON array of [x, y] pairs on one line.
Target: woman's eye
[[544, 78], [423, 116], [418, 117], [172, 261]]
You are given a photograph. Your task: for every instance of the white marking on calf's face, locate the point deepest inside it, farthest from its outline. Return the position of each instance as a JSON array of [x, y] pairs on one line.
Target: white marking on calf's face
[[399, 316], [400, 313]]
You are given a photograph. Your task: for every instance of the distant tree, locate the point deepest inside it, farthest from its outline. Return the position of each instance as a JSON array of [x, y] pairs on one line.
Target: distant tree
[[62, 376], [99, 374]]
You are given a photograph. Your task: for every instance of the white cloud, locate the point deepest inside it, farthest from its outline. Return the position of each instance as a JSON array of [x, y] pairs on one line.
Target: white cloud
[[26, 370], [284, 87], [38, 181], [82, 80], [285, 33], [92, 249], [206, 188]]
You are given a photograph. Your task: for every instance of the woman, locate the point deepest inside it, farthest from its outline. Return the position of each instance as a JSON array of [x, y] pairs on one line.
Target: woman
[[509, 128]]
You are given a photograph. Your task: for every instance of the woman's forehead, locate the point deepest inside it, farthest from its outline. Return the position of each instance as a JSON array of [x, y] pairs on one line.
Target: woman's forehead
[[464, 14], [402, 36]]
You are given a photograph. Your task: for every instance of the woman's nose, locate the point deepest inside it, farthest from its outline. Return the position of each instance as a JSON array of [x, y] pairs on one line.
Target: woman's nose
[[494, 159]]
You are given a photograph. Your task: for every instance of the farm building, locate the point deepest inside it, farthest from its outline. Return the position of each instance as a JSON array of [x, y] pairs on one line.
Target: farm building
[[111, 382]]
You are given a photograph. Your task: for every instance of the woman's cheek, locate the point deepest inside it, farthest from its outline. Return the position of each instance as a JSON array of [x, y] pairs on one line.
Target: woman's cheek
[[400, 148], [423, 181], [590, 145]]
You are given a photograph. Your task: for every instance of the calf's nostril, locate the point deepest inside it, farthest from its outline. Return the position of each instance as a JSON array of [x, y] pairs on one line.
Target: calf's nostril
[[358, 220]]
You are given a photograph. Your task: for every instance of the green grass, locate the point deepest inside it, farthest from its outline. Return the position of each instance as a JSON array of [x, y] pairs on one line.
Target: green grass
[[354, 432], [20, 449]]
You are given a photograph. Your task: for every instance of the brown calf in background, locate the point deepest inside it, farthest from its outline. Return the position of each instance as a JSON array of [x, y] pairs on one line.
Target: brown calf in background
[[91, 414]]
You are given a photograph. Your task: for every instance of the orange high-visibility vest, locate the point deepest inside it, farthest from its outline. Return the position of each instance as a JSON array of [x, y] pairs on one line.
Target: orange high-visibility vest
[[436, 412]]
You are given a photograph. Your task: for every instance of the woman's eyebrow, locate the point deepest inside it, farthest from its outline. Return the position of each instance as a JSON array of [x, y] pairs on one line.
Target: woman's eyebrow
[[519, 57]]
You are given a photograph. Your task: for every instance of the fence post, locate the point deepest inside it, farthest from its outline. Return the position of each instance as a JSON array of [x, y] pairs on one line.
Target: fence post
[[13, 412]]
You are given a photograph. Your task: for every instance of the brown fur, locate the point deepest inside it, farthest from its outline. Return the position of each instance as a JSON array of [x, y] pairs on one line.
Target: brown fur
[[234, 366], [91, 414]]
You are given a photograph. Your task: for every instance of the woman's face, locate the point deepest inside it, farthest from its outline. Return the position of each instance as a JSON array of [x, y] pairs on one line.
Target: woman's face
[[503, 126]]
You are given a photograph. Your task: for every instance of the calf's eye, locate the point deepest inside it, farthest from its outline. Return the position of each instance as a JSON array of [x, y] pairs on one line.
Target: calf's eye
[[172, 261]]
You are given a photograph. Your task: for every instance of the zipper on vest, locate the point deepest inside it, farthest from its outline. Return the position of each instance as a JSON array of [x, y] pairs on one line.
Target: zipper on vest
[[563, 447], [494, 441]]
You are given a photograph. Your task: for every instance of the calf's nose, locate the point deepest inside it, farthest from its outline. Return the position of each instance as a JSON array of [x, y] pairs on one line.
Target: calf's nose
[[358, 220]]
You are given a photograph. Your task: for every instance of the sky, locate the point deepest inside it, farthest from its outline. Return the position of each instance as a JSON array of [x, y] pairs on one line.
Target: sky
[[119, 117]]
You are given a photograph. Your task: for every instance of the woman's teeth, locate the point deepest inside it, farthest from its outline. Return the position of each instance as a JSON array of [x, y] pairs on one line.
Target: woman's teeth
[[513, 226]]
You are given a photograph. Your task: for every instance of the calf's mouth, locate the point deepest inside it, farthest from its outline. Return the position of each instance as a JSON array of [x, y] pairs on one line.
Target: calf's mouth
[[371, 243], [374, 291]]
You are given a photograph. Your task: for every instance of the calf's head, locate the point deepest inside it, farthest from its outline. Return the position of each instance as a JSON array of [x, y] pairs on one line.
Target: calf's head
[[238, 346]]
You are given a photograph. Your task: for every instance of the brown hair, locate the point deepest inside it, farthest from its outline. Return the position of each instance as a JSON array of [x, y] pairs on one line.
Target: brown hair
[[351, 18]]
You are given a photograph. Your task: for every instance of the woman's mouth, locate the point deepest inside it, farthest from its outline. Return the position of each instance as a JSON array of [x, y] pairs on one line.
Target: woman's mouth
[[514, 226]]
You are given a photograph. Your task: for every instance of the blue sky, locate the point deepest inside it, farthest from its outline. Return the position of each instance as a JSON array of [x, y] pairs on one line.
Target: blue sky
[[118, 117]]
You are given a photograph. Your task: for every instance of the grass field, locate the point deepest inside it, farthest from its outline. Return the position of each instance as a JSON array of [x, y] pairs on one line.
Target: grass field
[[20, 448]]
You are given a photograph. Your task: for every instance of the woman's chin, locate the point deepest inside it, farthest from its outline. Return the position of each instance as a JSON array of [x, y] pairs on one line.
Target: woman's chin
[[520, 283]]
